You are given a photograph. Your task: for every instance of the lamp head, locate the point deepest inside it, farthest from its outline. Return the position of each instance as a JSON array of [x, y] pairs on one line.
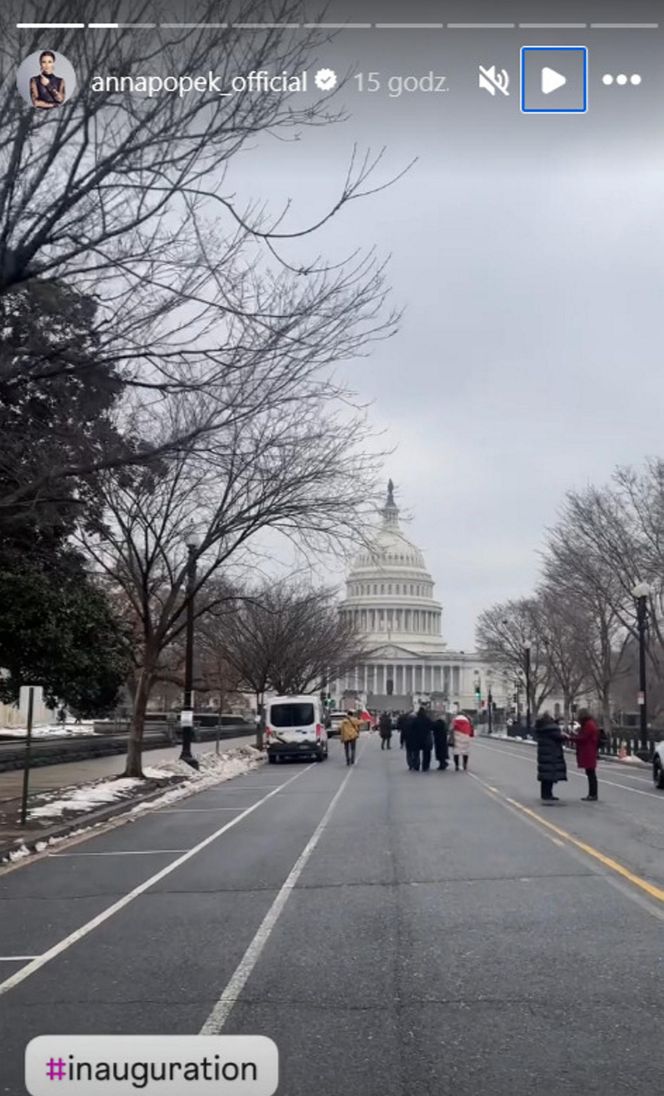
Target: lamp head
[[641, 589]]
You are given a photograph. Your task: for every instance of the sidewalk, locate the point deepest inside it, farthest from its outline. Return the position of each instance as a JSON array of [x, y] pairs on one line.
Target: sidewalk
[[632, 762], [45, 777], [76, 799]]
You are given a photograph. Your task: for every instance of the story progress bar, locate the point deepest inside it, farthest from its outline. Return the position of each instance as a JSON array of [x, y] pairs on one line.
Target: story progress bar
[[339, 26]]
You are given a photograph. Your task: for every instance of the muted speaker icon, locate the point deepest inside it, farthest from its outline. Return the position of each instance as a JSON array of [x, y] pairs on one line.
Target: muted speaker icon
[[493, 80]]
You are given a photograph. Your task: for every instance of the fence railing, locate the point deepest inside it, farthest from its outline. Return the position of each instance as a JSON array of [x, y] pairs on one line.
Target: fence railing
[[619, 742]]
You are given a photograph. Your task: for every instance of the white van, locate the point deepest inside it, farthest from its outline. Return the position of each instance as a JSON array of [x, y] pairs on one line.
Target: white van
[[295, 727]]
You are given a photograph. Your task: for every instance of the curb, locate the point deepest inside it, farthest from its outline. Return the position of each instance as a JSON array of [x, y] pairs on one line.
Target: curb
[[627, 764], [93, 818]]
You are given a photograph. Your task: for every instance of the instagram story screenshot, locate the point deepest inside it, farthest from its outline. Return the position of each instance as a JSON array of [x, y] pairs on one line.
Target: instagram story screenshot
[[331, 547]]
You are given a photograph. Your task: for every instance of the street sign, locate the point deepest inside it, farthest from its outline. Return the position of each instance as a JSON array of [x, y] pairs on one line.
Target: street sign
[[186, 717], [640, 700], [24, 698]]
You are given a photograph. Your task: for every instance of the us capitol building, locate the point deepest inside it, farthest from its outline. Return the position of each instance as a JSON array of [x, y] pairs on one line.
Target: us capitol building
[[390, 599]]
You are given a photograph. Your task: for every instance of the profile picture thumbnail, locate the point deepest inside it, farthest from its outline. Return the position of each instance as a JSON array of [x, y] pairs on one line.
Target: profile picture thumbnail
[[46, 80]]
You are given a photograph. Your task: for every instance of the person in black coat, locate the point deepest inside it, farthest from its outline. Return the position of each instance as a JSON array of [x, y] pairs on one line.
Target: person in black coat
[[419, 740], [551, 767], [440, 742], [385, 728]]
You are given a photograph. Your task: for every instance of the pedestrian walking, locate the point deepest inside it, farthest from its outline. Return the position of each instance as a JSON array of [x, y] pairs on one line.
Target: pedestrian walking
[[402, 722], [551, 767], [385, 728], [463, 732], [349, 732], [440, 743], [587, 751], [419, 741]]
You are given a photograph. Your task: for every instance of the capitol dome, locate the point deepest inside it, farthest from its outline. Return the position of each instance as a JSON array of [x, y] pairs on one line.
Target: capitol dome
[[390, 592]]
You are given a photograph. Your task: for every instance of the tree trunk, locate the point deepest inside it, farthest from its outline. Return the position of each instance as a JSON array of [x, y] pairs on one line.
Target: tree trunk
[[221, 712], [606, 711], [135, 743], [260, 723]]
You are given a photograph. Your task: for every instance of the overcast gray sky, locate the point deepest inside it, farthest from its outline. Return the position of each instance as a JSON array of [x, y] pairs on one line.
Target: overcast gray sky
[[527, 254]]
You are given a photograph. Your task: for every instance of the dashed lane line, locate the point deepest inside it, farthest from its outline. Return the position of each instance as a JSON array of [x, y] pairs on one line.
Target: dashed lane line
[[201, 810], [90, 926], [563, 835]]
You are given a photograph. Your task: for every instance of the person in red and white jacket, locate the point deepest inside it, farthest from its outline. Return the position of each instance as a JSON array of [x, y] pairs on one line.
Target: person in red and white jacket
[[462, 732]]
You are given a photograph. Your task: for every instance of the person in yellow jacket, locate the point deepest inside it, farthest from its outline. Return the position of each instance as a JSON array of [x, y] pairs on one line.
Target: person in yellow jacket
[[349, 732]]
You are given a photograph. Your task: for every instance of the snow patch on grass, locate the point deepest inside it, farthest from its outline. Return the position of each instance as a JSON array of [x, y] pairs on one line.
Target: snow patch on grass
[[50, 730], [86, 797], [214, 768]]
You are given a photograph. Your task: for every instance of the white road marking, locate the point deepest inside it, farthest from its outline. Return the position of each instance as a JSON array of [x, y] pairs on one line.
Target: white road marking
[[256, 787], [574, 848], [637, 791], [571, 772], [73, 938], [117, 852], [16, 958], [222, 1010], [200, 810]]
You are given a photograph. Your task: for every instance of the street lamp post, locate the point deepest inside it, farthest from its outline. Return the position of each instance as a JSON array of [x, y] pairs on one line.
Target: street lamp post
[[489, 699], [640, 593], [187, 715], [526, 650]]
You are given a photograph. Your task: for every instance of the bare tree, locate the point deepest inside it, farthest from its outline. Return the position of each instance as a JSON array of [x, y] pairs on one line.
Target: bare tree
[[622, 525], [294, 635], [565, 634], [124, 196], [580, 579], [290, 469], [502, 634]]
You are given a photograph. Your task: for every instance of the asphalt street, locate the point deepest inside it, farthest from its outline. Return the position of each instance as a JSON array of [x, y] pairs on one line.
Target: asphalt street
[[395, 933]]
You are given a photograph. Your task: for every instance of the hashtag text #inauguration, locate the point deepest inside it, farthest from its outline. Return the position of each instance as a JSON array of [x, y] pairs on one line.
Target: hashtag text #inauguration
[[140, 1074]]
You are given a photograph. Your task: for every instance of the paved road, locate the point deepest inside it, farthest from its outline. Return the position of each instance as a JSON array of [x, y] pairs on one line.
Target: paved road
[[45, 777], [395, 933]]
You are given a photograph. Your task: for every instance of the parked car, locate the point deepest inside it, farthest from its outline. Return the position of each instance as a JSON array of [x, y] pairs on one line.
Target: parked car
[[334, 721], [295, 727], [658, 765]]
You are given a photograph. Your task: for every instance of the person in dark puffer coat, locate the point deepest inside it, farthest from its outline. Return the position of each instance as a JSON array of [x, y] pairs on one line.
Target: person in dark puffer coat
[[551, 767]]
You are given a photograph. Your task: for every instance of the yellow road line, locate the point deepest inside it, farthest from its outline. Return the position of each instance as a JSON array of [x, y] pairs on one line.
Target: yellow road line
[[589, 850]]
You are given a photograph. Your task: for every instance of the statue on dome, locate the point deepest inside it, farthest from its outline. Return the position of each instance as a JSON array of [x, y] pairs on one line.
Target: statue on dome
[[390, 493]]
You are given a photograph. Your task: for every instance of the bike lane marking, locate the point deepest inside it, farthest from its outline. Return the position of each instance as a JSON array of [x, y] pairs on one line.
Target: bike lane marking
[[95, 922], [223, 1008]]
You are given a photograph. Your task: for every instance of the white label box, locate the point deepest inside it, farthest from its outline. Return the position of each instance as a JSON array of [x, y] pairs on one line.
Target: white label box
[[152, 1065]]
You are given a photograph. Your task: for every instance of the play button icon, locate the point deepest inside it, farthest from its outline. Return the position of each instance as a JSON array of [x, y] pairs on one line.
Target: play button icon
[[552, 80]]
